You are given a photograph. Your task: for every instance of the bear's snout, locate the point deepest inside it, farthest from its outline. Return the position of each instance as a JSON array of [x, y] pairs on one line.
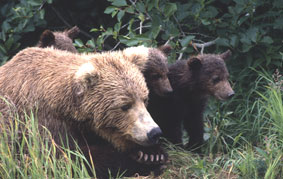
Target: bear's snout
[[154, 135]]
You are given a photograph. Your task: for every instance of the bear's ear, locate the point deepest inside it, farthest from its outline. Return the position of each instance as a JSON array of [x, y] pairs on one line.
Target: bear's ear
[[166, 49], [88, 81], [194, 63], [86, 77], [73, 32], [46, 38], [226, 55]]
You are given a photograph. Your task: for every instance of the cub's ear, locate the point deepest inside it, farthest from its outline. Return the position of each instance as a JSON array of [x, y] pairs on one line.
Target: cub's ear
[[194, 63], [86, 78], [46, 38], [166, 49], [226, 55], [73, 32]]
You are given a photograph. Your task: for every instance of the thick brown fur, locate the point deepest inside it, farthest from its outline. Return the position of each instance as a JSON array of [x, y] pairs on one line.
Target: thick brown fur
[[153, 64], [93, 99], [193, 81], [60, 40], [31, 80]]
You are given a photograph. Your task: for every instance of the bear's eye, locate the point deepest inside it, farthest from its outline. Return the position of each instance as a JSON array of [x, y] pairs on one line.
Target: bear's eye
[[126, 107], [156, 76], [215, 79]]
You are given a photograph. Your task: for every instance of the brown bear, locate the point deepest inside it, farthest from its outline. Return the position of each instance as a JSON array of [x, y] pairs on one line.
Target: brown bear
[[153, 63], [60, 40], [193, 81], [82, 97]]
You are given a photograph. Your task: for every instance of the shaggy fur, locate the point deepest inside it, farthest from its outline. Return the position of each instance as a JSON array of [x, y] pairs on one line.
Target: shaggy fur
[[193, 81], [94, 99], [75, 93], [153, 64], [60, 40]]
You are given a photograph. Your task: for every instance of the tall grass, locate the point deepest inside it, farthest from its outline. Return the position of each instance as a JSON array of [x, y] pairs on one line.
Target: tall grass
[[33, 154]]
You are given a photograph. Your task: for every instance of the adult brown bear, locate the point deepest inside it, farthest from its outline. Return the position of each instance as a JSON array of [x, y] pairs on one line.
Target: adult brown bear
[[80, 97]]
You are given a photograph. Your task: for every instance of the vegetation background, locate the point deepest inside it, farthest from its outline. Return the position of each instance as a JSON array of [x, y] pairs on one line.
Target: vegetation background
[[244, 136]]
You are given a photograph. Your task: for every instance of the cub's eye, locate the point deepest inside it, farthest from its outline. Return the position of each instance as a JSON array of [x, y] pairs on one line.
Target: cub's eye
[[215, 79], [156, 76], [126, 107]]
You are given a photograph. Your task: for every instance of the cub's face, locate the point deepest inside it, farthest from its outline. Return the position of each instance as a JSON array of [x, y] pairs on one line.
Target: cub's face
[[212, 74], [153, 64], [59, 40]]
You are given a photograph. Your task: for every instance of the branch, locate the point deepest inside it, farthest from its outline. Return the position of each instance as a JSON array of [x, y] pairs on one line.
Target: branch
[[206, 44], [69, 25]]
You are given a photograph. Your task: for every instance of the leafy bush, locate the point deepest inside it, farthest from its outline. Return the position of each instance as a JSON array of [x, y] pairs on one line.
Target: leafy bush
[[18, 17]]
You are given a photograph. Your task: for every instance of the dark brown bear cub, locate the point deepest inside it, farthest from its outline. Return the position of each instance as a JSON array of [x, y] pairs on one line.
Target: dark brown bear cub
[[60, 40], [193, 81]]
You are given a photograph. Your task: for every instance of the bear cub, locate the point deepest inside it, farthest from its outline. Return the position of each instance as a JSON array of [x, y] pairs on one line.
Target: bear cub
[[59, 40], [193, 81]]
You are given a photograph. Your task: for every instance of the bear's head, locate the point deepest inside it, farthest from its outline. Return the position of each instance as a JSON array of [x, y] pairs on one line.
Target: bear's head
[[60, 40], [211, 74], [153, 63], [110, 97]]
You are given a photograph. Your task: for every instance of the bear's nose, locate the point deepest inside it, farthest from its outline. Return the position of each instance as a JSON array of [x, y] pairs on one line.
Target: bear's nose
[[167, 92], [230, 95], [154, 135]]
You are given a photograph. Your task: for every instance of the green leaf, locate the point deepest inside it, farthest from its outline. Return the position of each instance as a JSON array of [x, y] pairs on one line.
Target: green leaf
[[117, 27], [119, 3], [120, 15], [252, 33], [205, 22], [170, 9], [79, 43], [2, 49], [185, 41], [6, 26], [141, 17], [130, 10], [114, 13], [222, 42], [9, 43], [267, 39], [94, 30], [140, 6], [90, 43], [151, 4], [234, 40], [110, 9]]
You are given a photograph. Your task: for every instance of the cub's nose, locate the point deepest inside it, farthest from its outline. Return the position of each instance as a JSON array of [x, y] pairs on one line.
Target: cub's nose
[[230, 95], [154, 135], [167, 92]]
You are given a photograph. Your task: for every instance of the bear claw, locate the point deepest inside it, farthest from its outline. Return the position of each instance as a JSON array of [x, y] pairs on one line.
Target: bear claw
[[161, 157], [157, 158], [151, 158], [140, 155], [145, 157]]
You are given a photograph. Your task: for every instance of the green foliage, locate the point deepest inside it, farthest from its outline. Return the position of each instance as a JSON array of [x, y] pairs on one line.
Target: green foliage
[[18, 17], [243, 136]]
